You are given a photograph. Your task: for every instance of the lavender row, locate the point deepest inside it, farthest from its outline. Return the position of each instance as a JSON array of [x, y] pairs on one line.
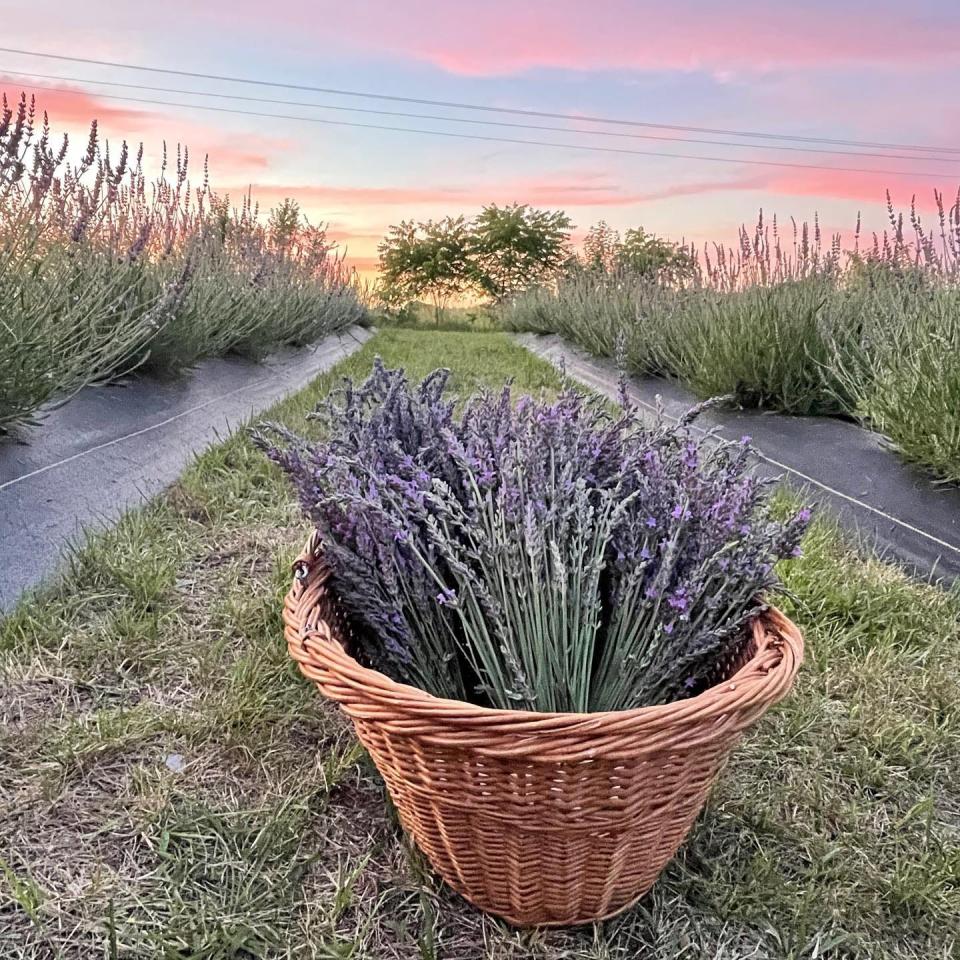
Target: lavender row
[[542, 555]]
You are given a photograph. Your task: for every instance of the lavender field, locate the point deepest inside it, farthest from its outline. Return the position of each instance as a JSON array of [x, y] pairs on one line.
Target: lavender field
[[619, 544], [104, 270], [788, 321]]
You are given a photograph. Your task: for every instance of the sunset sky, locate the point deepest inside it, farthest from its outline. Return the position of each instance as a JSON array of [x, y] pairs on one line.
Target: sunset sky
[[864, 70]]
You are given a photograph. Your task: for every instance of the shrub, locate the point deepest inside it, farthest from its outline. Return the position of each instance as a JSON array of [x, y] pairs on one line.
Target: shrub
[[904, 376], [543, 556], [766, 346], [608, 313]]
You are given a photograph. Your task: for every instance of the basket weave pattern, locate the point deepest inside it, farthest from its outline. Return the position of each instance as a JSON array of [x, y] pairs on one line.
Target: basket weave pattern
[[540, 818]]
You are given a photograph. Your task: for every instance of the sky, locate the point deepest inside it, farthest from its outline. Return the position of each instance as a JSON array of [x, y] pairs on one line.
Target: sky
[[861, 70]]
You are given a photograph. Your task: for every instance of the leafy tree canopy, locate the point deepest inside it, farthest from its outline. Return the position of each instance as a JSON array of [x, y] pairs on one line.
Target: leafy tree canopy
[[650, 256], [429, 259], [601, 247], [516, 246], [283, 224]]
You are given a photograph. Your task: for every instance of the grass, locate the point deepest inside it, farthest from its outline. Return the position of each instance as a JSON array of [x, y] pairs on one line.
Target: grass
[[172, 787], [422, 316]]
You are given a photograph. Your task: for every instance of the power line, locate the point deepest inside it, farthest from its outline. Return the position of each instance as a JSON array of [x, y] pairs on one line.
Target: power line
[[491, 139], [474, 106], [474, 121]]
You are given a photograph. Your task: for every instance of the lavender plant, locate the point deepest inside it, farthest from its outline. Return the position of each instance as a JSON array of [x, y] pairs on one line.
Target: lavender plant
[[804, 327], [103, 270], [543, 555]]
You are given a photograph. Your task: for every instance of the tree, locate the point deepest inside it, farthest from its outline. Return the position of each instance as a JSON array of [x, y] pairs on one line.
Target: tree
[[644, 254], [513, 247], [601, 247], [425, 259]]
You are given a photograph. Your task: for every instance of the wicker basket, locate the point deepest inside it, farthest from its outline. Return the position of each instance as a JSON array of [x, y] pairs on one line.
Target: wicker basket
[[542, 819]]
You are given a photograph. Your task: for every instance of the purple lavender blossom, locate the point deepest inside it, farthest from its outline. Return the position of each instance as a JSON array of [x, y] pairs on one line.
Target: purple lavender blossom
[[538, 554]]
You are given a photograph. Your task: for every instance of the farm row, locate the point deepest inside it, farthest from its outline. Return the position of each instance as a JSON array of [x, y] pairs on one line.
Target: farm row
[[182, 790], [873, 334], [103, 270]]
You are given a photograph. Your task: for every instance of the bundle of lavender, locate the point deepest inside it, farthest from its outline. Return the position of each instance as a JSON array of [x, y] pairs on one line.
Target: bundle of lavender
[[542, 555]]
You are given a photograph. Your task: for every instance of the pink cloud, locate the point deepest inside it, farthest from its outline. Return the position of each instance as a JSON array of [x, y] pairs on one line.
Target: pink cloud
[[585, 189], [344, 234], [70, 108], [696, 187], [595, 191], [72, 111], [228, 159], [871, 188], [504, 37], [364, 264]]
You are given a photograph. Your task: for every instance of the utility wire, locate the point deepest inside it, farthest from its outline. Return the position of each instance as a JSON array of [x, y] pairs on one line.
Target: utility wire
[[474, 106], [491, 139], [474, 121]]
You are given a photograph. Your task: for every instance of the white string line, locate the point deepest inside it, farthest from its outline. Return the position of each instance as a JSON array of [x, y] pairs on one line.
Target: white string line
[[815, 482], [137, 433], [860, 503]]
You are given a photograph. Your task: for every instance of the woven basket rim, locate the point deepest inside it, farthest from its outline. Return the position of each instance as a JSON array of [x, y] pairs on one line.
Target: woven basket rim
[[762, 680]]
